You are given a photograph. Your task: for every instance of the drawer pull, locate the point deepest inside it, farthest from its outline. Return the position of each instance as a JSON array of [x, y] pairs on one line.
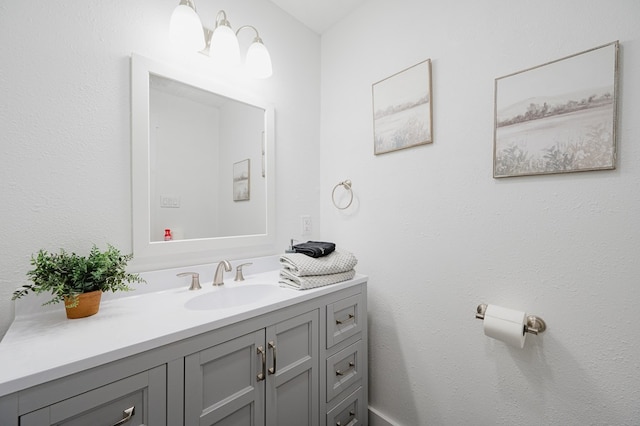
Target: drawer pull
[[351, 316], [342, 373], [261, 375], [353, 417], [272, 370], [128, 413]]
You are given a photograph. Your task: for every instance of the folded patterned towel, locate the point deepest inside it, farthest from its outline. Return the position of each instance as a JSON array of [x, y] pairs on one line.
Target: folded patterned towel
[[302, 265], [295, 282], [315, 248]]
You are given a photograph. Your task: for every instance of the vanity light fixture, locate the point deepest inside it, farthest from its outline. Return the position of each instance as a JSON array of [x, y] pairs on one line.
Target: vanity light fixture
[[258, 60], [221, 43], [224, 48], [185, 28]]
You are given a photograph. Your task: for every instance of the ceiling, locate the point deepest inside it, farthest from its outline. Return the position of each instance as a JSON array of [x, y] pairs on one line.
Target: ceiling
[[318, 15]]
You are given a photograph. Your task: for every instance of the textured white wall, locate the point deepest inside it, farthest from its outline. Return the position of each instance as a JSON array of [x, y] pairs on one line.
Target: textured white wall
[[65, 121], [438, 235]]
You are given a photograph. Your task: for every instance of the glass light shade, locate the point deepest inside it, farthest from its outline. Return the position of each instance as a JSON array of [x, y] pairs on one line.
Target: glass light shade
[[185, 29], [258, 60], [224, 48]]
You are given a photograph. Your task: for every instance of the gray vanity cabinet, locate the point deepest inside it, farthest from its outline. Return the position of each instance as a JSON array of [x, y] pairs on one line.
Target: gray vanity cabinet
[[304, 364], [136, 400], [267, 377]]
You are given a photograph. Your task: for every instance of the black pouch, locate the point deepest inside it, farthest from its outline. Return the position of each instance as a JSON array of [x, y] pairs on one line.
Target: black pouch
[[315, 248]]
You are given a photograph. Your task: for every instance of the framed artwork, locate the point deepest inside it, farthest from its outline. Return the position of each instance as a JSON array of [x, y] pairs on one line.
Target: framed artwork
[[558, 117], [402, 113], [241, 180]]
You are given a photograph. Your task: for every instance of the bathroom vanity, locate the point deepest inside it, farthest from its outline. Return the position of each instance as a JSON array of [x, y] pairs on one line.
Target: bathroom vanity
[[247, 353]]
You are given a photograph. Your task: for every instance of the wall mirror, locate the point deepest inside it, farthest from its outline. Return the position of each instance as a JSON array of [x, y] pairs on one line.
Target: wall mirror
[[202, 163]]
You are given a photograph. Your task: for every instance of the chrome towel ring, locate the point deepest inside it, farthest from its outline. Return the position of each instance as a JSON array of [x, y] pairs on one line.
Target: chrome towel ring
[[347, 186]]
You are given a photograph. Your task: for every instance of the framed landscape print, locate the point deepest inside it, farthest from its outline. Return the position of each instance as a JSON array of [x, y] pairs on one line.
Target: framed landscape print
[[558, 117], [402, 109]]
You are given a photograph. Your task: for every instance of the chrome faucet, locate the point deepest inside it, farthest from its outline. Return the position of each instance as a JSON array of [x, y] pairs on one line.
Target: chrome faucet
[[218, 278]]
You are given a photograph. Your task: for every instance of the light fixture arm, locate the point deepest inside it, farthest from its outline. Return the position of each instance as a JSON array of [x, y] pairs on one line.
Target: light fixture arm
[[257, 37], [207, 40], [222, 20]]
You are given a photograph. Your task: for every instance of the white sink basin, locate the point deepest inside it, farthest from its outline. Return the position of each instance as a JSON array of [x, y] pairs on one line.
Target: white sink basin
[[230, 297]]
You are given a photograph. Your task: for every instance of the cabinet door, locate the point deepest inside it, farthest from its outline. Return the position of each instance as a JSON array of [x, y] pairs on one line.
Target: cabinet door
[[292, 375], [222, 386], [136, 400]]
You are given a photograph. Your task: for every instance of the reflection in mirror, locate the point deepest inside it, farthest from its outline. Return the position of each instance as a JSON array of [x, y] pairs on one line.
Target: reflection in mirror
[[190, 135], [195, 138]]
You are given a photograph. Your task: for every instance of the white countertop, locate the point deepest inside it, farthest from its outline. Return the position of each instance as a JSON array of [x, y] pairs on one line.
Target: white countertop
[[44, 345]]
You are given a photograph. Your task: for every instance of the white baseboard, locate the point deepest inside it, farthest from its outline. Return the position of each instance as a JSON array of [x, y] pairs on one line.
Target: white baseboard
[[378, 419]]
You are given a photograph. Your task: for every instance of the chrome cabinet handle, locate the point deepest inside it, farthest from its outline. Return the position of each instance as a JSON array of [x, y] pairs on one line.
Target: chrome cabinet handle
[[353, 417], [261, 375], [128, 413], [272, 370], [342, 373], [351, 316]]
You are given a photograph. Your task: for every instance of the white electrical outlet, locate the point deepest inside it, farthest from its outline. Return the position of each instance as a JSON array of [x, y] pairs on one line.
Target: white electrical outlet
[[169, 201], [306, 224]]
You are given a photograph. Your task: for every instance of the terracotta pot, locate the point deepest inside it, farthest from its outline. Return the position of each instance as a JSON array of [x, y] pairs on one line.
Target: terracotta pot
[[88, 304]]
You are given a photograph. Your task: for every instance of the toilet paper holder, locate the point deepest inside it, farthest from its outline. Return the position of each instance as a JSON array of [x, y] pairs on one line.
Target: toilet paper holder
[[535, 325]]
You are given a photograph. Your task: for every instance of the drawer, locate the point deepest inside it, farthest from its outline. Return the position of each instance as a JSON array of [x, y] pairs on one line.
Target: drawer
[[344, 369], [344, 319], [136, 400], [350, 412]]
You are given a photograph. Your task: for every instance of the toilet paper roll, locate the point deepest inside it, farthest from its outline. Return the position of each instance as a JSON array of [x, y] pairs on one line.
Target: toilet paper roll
[[506, 325]]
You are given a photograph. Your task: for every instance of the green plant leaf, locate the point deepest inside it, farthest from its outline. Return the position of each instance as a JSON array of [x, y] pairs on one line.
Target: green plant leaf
[[66, 274]]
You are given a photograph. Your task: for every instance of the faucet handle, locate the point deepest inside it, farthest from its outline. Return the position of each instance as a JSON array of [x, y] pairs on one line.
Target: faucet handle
[[239, 276], [195, 279]]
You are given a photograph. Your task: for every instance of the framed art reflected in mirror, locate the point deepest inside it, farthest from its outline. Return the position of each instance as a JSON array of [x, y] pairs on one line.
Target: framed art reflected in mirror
[[242, 180]]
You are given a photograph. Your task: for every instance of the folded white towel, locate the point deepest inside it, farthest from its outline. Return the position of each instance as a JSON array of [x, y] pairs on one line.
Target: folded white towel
[[287, 279], [302, 265]]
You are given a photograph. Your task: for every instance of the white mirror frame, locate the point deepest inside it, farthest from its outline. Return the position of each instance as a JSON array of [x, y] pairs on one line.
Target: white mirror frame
[[143, 248]]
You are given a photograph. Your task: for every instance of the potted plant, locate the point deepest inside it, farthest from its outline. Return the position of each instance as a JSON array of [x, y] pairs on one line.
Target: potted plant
[[79, 280]]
